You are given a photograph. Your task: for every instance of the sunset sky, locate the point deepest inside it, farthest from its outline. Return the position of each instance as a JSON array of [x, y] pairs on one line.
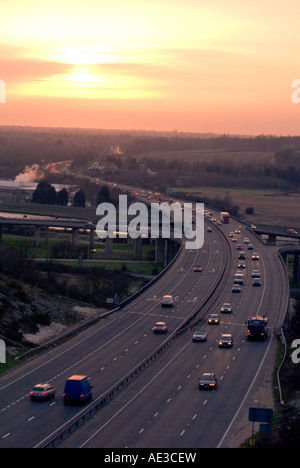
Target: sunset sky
[[218, 66]]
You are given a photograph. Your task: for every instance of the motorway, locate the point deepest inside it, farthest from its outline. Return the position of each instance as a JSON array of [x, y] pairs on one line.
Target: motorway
[[110, 349], [165, 408]]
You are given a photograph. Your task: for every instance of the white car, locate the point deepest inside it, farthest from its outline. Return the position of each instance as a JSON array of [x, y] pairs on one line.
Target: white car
[[255, 274], [160, 327], [226, 341], [226, 308], [42, 392], [200, 335]]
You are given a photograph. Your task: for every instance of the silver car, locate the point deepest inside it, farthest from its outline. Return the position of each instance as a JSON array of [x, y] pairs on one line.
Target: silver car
[[255, 274], [200, 335], [226, 341], [226, 308], [42, 392]]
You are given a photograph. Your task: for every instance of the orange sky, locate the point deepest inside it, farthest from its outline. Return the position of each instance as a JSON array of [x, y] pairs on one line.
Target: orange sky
[[218, 66]]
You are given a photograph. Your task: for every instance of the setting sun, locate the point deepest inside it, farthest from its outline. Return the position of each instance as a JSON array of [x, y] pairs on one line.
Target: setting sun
[[84, 55], [198, 67]]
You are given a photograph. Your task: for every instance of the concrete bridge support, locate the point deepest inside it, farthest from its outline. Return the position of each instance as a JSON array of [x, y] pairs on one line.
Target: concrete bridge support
[[296, 269], [285, 258], [92, 238], [109, 245], [37, 236], [271, 239], [160, 250], [138, 248], [165, 250], [171, 251], [75, 234], [47, 235]]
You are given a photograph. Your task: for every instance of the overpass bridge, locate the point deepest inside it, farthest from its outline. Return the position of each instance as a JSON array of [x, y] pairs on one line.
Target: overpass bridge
[[290, 246], [165, 249], [273, 234]]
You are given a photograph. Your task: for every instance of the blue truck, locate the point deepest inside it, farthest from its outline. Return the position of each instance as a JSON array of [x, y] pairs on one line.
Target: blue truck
[[77, 390], [257, 328]]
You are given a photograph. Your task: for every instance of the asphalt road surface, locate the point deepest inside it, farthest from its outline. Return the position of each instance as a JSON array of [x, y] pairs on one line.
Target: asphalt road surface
[[108, 350], [165, 408]]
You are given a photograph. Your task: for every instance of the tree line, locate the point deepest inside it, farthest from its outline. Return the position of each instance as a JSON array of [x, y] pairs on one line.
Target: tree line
[[46, 194]]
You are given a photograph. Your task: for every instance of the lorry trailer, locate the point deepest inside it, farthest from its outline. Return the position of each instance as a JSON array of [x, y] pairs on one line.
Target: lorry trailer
[[257, 328]]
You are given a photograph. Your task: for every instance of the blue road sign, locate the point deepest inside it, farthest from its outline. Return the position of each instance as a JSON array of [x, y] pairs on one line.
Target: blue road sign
[[261, 415]]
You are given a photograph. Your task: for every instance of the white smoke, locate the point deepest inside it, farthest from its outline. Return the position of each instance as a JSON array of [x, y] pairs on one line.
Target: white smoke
[[30, 174]]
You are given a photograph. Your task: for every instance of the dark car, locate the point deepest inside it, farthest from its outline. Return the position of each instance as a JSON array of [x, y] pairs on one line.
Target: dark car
[[42, 392], [167, 301], [256, 283], [160, 327], [208, 381], [197, 268]]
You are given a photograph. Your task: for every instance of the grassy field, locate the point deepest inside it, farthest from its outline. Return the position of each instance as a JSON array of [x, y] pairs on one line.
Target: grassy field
[[121, 257], [132, 267], [121, 251], [271, 207]]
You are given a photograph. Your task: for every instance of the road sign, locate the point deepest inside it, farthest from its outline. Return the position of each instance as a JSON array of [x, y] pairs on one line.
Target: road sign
[[265, 427], [261, 415]]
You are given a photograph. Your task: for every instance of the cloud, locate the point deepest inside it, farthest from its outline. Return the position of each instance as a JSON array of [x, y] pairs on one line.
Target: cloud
[[28, 69]]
